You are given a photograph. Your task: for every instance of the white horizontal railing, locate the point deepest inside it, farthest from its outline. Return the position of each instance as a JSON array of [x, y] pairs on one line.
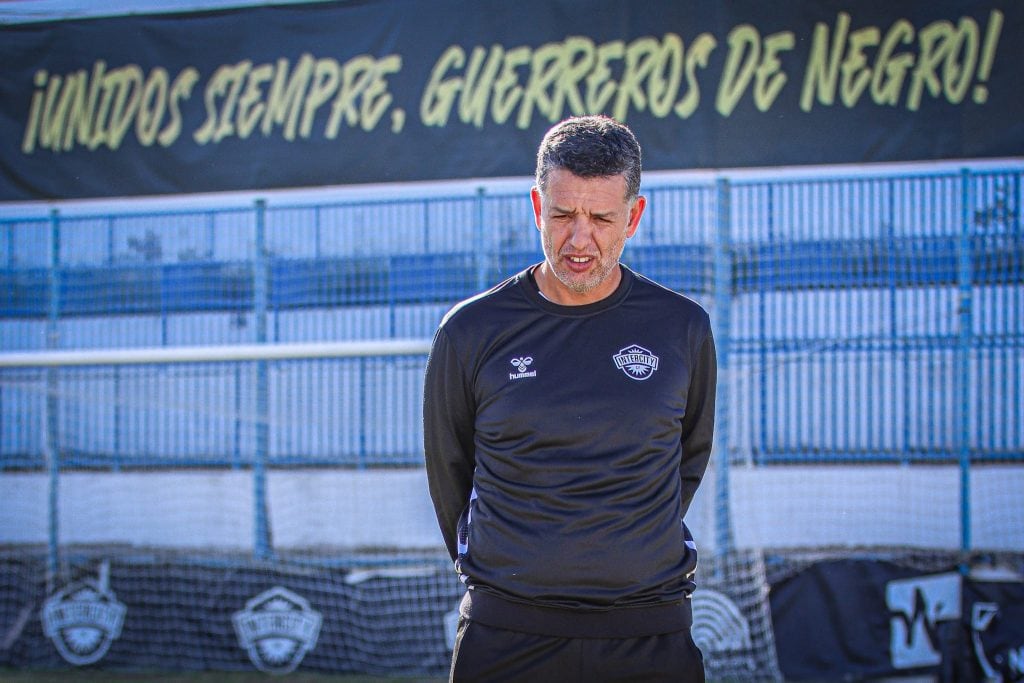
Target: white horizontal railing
[[214, 353]]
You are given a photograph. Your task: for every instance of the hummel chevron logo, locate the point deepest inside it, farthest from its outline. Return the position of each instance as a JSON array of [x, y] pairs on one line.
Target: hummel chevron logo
[[521, 364]]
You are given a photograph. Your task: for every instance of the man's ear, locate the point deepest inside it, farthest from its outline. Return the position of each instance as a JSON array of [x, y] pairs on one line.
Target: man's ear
[[635, 212], [536, 200]]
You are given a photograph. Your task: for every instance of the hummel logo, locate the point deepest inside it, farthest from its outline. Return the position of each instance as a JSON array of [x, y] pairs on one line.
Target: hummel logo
[[521, 364]]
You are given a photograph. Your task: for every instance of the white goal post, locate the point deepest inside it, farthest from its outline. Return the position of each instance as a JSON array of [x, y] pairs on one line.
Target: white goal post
[[214, 353]]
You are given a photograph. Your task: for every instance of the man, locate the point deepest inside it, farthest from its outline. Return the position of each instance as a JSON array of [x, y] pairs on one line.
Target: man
[[568, 417]]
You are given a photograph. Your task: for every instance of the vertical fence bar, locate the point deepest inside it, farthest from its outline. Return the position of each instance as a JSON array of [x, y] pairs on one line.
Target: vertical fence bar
[[52, 442], [364, 424], [483, 255], [963, 362], [765, 290], [236, 440], [722, 255], [901, 339], [1013, 225], [261, 286]]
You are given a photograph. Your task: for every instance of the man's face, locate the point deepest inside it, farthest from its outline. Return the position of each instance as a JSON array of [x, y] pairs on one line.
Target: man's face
[[584, 224]]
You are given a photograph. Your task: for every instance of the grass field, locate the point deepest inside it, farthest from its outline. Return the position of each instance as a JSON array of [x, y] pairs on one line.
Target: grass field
[[78, 676]]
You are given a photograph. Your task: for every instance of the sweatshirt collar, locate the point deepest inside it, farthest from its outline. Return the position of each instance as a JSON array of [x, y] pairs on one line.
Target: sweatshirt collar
[[528, 285]]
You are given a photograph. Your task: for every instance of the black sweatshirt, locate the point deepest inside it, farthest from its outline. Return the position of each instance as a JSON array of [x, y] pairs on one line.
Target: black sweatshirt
[[563, 447]]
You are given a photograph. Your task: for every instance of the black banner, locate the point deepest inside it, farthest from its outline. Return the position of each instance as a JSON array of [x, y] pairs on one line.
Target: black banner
[[850, 619], [147, 613], [228, 615], [876, 619], [400, 90]]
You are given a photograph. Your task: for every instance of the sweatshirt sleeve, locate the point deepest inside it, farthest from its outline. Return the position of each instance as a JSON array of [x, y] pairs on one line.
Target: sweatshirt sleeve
[[448, 425], [698, 423]]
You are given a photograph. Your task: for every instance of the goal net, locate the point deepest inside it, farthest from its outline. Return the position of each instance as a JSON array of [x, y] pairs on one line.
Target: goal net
[[255, 503], [244, 507]]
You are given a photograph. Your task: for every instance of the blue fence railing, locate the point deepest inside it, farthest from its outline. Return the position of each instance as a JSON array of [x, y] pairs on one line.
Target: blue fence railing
[[862, 319], [409, 279]]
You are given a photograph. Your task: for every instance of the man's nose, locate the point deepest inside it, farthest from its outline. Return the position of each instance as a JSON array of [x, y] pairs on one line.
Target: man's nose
[[582, 233]]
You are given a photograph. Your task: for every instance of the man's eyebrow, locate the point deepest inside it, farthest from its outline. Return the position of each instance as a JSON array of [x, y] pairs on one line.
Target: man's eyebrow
[[596, 214]]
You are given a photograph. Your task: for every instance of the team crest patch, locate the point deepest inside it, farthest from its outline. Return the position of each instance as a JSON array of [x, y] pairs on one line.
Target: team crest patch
[[83, 620], [277, 628], [637, 362]]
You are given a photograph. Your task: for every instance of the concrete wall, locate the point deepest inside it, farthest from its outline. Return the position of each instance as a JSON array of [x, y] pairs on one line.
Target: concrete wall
[[333, 509]]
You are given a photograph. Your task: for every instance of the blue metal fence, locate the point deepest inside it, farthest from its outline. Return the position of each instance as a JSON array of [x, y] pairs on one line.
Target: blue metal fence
[[858, 318]]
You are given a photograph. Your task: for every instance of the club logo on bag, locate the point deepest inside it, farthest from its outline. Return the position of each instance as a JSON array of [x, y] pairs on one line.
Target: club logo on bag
[[916, 606], [637, 362], [722, 631], [277, 628], [84, 619]]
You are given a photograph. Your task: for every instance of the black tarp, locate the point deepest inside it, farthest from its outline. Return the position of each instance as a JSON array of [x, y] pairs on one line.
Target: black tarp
[[402, 90]]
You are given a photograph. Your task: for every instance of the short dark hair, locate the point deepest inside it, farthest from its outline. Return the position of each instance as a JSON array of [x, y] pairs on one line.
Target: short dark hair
[[591, 147]]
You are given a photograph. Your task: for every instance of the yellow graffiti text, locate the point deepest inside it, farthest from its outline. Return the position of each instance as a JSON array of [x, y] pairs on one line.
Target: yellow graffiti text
[[573, 76], [943, 60], [98, 107], [750, 58], [243, 97]]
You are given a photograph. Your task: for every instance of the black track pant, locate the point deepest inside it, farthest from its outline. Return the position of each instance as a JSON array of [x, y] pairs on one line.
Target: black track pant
[[484, 654]]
